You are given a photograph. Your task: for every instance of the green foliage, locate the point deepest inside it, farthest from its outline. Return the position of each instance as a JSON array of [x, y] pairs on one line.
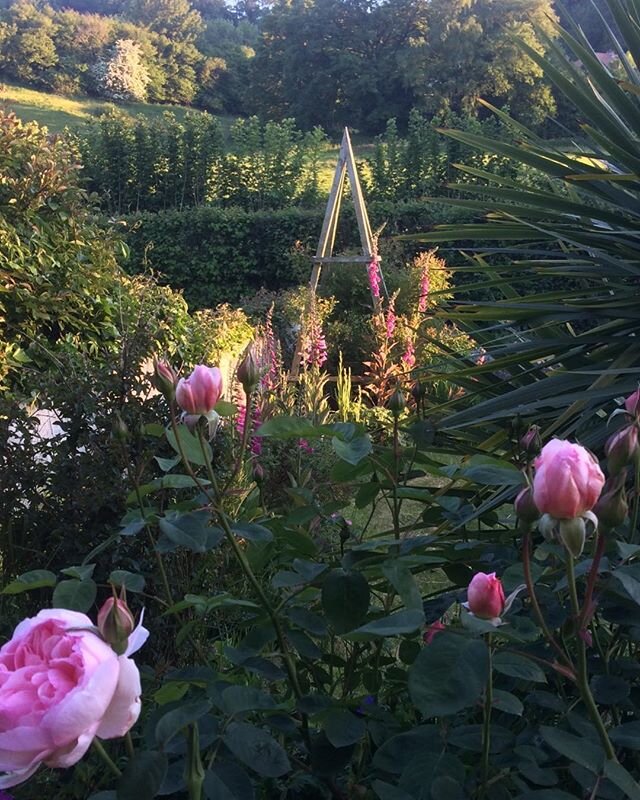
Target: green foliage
[[567, 349], [138, 165], [220, 255]]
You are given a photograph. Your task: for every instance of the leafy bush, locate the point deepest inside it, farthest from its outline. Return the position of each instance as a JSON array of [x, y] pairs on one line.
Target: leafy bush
[[219, 255]]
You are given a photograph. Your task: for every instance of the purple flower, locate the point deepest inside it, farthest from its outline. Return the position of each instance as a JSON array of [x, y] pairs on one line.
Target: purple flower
[[373, 272], [424, 287]]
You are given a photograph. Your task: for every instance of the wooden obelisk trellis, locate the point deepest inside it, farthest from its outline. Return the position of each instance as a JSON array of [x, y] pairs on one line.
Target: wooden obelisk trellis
[[346, 167]]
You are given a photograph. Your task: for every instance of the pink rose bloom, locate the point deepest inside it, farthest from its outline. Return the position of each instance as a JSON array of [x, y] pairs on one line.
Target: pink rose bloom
[[632, 403], [567, 481], [61, 685], [485, 596], [199, 393]]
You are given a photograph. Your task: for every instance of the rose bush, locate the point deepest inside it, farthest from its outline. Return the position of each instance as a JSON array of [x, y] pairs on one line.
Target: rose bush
[[60, 686]]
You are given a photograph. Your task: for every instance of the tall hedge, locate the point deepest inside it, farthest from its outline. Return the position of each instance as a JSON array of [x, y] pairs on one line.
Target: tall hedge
[[220, 255]]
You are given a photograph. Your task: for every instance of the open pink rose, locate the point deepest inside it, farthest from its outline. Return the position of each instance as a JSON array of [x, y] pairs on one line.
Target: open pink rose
[[61, 685], [485, 596], [199, 393], [567, 481]]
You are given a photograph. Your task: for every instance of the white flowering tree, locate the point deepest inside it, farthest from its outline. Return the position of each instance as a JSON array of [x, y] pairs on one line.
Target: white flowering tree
[[123, 76]]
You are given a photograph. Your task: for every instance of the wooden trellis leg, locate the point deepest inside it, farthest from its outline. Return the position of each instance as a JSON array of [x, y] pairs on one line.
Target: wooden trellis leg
[[346, 167]]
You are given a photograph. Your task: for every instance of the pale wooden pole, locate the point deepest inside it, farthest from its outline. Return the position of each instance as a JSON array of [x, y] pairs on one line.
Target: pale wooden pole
[[346, 167]]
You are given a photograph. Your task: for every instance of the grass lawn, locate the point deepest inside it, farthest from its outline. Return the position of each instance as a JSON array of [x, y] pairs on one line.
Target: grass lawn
[[57, 112]]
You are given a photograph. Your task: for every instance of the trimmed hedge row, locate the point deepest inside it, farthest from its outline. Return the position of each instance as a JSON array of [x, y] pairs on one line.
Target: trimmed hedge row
[[219, 255]]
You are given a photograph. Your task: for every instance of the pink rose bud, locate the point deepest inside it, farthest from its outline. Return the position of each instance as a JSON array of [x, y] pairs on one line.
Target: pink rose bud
[[432, 631], [567, 480], [621, 449], [116, 623], [525, 508], [485, 596], [198, 394], [632, 403], [248, 371], [531, 442], [165, 379]]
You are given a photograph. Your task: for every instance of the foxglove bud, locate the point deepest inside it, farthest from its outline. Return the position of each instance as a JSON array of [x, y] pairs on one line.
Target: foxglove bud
[[258, 473], [621, 449], [531, 442], [612, 507], [248, 371], [572, 533], [525, 508], [165, 380], [115, 622], [397, 403]]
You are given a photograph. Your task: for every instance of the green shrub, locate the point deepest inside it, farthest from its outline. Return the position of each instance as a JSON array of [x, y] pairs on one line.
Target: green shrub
[[219, 255]]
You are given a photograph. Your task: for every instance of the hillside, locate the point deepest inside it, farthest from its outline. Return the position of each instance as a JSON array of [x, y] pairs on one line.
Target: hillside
[[57, 112]]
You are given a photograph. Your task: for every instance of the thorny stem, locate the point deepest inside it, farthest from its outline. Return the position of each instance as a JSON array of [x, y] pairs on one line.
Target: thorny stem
[[591, 581], [97, 746], [486, 723], [246, 568], [583, 677], [528, 579], [636, 504]]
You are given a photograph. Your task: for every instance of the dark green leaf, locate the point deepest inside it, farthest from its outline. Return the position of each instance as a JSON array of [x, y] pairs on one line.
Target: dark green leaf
[[190, 445], [627, 735], [81, 573], [175, 720], [400, 577], [191, 530], [449, 675], [576, 748], [75, 595], [252, 532], [623, 780], [238, 699], [507, 702], [342, 728], [225, 781], [517, 666], [395, 753], [395, 624], [35, 579], [354, 451], [345, 599], [609, 689], [132, 582], [143, 776], [491, 472], [386, 791], [257, 749]]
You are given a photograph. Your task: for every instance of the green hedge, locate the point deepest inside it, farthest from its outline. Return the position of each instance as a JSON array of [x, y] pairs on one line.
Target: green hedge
[[220, 255]]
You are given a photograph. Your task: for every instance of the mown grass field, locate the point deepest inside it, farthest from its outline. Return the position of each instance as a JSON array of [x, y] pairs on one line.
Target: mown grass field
[[58, 113]]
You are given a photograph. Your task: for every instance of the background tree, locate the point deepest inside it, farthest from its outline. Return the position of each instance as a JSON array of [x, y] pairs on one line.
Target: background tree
[[472, 51], [123, 76], [28, 50]]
